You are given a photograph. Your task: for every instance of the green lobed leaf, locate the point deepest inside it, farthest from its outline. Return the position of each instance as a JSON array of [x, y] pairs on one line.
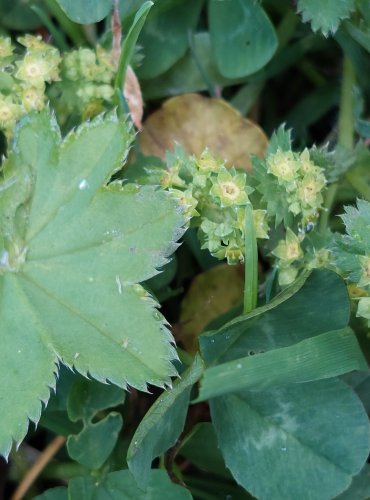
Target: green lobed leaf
[[242, 35], [71, 255], [86, 11], [355, 243], [162, 425], [121, 485], [325, 16], [93, 445], [323, 356], [311, 438]]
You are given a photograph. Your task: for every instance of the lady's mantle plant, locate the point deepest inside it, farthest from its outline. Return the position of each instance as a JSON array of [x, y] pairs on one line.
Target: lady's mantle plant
[[72, 252], [271, 384]]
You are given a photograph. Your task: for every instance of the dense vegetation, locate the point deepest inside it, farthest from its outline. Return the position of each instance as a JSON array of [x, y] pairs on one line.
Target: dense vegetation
[[184, 249]]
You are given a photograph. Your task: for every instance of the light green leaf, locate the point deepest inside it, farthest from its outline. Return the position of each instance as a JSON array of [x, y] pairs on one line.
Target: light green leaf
[[323, 356], [71, 255], [86, 11], [325, 16], [243, 37], [162, 425], [93, 445], [121, 485], [311, 438]]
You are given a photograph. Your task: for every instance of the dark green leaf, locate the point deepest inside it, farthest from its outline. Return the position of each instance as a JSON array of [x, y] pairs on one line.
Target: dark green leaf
[[243, 38], [162, 424], [88, 397], [202, 450], [310, 307], [164, 39], [311, 438], [86, 11], [359, 488], [93, 445]]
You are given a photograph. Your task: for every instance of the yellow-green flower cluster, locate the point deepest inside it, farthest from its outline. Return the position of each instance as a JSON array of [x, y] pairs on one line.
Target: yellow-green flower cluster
[[217, 197], [289, 254], [87, 82], [302, 180], [24, 79]]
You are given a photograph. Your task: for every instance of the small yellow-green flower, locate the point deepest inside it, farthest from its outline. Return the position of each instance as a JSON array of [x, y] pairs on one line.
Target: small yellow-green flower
[[230, 189], [36, 68], [287, 275], [206, 162], [32, 42], [289, 250], [9, 111], [309, 190], [6, 48], [33, 98], [260, 223], [283, 165], [171, 177], [187, 200]]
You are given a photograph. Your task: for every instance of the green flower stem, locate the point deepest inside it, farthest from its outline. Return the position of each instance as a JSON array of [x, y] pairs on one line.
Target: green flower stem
[[251, 262], [346, 130]]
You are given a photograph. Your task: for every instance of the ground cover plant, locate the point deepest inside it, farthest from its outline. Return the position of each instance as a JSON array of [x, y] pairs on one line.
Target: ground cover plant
[[184, 249]]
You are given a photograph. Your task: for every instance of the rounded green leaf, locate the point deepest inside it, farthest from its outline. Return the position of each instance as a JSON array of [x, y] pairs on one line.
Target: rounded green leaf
[[311, 439], [86, 11], [243, 37]]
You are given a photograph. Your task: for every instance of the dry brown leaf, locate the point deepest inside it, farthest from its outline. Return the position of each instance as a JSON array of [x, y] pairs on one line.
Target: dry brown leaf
[[197, 122], [132, 93], [211, 294]]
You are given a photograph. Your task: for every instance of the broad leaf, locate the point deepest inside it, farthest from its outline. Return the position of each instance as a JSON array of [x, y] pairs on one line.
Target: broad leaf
[[86, 11], [174, 20], [325, 16], [71, 255], [162, 425], [243, 37], [360, 486], [274, 429], [310, 438]]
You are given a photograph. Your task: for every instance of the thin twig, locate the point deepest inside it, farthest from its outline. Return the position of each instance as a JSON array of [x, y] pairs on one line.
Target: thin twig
[[38, 466]]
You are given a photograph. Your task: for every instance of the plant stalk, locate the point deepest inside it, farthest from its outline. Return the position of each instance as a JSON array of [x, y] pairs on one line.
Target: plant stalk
[[251, 262], [346, 130]]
